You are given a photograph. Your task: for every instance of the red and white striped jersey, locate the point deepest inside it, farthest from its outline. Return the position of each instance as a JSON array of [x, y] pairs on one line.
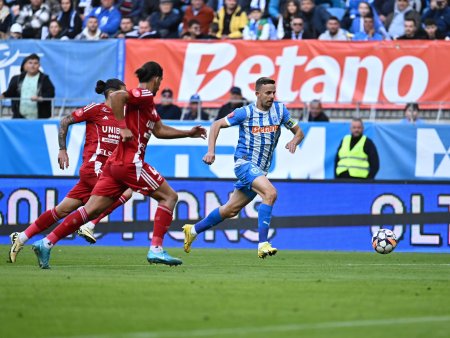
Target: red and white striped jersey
[[140, 117], [102, 135]]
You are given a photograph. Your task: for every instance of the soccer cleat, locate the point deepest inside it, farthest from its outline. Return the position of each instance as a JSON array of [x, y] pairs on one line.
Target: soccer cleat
[[42, 253], [85, 232], [162, 257], [266, 250], [16, 246], [188, 237]]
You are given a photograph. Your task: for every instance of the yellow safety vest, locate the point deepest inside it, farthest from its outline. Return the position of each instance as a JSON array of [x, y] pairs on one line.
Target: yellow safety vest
[[355, 160]]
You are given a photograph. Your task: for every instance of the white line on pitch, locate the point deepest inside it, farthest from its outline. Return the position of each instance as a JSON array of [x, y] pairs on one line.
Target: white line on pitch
[[243, 331]]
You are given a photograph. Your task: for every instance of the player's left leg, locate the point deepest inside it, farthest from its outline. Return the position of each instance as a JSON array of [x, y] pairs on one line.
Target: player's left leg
[[238, 200], [86, 231], [262, 186], [167, 199]]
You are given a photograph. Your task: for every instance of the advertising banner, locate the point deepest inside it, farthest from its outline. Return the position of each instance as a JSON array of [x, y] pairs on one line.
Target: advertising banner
[[406, 152], [73, 66], [333, 209], [334, 72]]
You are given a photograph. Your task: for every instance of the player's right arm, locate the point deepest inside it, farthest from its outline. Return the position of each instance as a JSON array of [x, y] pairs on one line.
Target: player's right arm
[[232, 119], [63, 158], [118, 101]]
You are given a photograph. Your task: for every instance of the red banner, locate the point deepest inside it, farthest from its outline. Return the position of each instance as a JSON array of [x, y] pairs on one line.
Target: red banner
[[334, 72]]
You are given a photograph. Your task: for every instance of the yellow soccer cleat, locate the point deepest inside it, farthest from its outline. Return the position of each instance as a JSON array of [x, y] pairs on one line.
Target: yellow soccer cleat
[[188, 237], [87, 234], [266, 250], [16, 246]]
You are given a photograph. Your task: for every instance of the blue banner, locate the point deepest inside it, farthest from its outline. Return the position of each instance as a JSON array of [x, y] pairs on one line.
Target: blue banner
[[73, 66], [22, 200], [406, 152]]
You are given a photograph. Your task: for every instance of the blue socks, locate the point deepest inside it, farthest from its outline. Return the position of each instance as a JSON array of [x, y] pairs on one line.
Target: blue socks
[[209, 221], [264, 217]]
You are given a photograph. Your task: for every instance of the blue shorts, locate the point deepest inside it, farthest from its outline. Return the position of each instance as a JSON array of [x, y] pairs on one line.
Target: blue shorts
[[246, 174]]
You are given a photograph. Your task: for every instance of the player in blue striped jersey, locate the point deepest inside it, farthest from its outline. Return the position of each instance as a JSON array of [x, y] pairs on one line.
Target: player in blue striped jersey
[[259, 130]]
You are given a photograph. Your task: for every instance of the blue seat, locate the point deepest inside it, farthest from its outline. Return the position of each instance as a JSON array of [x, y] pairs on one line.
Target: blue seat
[[337, 12]]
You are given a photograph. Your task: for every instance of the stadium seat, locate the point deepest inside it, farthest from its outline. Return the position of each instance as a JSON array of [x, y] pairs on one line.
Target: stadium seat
[[337, 12]]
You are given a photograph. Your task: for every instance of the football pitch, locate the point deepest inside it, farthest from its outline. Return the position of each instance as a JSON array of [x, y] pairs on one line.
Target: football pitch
[[113, 292]]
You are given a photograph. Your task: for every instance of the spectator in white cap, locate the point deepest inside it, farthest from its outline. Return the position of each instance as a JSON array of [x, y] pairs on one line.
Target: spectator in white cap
[[16, 31]]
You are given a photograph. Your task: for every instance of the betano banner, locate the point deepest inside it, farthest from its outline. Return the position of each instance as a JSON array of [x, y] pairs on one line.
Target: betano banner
[[406, 152], [335, 72]]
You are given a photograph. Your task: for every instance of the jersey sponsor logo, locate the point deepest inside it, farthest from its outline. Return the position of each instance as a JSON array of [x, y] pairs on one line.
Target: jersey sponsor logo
[[266, 129], [111, 130], [79, 112], [136, 92]]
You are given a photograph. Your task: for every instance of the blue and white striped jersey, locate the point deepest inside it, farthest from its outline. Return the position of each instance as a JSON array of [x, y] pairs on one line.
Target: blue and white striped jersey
[[259, 132]]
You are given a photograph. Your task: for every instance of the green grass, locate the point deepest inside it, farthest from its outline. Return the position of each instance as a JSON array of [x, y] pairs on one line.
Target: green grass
[[112, 292]]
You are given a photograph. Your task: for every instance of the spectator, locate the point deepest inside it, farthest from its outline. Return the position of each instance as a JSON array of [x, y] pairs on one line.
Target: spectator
[[166, 21], [315, 17], [269, 8], [412, 113], [369, 33], [316, 113], [144, 31], [131, 8], [334, 31], [440, 12], [15, 32], [213, 31], [431, 30], [357, 156], [55, 7], [70, 21], [355, 22], [195, 107], [166, 109], [236, 101], [126, 26], [297, 31], [32, 18], [5, 19], [91, 31], [194, 31], [200, 12], [386, 7], [150, 7], [32, 87], [108, 18], [231, 20], [291, 10], [55, 31], [258, 28], [395, 22], [411, 31]]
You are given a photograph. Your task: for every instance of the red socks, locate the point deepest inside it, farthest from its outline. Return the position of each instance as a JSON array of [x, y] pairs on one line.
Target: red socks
[[70, 224], [116, 204], [44, 221], [163, 218]]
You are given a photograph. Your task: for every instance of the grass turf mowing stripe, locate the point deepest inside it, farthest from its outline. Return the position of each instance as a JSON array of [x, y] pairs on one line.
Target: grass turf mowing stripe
[[240, 331]]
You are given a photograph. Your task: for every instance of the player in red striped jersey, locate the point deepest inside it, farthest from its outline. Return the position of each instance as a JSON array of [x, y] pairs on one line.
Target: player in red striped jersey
[[102, 137], [126, 167]]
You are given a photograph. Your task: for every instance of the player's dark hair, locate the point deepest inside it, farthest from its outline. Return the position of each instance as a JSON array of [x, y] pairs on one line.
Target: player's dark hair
[[109, 86], [148, 71], [263, 81]]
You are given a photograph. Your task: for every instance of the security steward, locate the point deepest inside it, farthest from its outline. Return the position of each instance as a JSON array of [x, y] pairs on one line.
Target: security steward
[[357, 156]]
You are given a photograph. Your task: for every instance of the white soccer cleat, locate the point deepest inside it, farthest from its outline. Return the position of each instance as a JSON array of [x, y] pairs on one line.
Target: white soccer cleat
[[86, 232], [16, 246]]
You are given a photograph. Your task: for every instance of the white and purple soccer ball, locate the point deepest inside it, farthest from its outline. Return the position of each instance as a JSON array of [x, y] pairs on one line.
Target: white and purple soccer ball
[[384, 241]]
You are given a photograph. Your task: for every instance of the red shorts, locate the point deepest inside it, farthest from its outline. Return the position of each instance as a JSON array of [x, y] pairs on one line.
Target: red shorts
[[116, 178], [83, 189]]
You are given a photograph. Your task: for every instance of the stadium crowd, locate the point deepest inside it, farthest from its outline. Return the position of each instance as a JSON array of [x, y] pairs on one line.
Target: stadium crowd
[[225, 19]]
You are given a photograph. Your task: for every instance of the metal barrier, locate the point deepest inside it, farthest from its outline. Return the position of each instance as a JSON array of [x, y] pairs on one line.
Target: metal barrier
[[430, 111]]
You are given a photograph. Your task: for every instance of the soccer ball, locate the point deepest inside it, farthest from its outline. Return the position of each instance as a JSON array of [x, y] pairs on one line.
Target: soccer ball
[[384, 241]]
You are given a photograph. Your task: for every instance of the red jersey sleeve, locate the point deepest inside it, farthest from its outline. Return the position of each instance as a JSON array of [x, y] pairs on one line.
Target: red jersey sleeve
[[140, 96], [87, 113]]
